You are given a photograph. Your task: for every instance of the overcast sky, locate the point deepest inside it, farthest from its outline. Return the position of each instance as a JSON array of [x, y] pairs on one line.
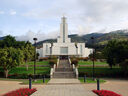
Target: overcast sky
[[41, 18]]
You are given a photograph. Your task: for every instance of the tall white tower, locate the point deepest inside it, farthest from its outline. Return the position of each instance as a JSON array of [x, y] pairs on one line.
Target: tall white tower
[[63, 32]]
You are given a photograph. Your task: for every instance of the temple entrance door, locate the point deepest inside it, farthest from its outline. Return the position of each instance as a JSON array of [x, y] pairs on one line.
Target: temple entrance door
[[63, 57]]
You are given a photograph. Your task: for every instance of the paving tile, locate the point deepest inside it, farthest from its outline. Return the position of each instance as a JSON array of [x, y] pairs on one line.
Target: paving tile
[[63, 87]]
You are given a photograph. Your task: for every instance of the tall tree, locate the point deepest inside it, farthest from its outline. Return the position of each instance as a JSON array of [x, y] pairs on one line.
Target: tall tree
[[116, 52], [9, 41], [10, 58], [28, 53]]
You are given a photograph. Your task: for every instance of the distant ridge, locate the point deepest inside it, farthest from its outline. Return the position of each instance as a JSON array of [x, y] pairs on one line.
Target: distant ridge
[[1, 38], [100, 38]]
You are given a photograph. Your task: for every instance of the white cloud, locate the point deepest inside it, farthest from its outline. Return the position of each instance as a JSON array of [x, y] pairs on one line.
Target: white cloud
[[1, 33], [39, 35], [2, 12], [83, 16], [12, 12], [95, 14]]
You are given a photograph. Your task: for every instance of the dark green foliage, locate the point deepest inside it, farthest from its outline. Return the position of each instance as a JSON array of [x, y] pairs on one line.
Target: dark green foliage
[[116, 53], [97, 55], [22, 73], [101, 72], [10, 58], [13, 53], [10, 41]]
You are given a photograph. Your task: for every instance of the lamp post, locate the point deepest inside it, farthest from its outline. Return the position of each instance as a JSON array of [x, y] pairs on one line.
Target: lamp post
[[93, 70], [35, 39]]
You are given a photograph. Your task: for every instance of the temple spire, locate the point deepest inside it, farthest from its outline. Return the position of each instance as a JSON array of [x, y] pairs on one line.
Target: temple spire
[[63, 30]]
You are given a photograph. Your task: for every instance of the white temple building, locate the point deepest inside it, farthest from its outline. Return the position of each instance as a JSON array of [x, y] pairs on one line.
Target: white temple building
[[64, 46]]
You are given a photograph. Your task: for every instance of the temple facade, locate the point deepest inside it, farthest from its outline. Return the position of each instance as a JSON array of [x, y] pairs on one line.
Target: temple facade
[[64, 46]]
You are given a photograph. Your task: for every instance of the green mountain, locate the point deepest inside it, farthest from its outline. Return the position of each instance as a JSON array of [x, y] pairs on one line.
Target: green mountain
[[99, 38]]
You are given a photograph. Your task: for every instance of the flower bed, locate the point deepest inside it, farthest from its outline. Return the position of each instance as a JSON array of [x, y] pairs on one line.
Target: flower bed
[[21, 92], [105, 93]]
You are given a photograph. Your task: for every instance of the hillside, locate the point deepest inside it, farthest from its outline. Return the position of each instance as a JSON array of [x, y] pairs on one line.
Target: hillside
[[100, 38]]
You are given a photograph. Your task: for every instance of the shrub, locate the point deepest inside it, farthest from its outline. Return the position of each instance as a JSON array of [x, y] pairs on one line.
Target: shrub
[[75, 62], [52, 57], [21, 92], [105, 93], [85, 58], [1, 74], [52, 62], [43, 58], [18, 76]]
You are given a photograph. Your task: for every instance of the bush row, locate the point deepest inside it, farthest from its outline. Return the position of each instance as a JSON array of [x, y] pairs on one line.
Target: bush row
[[119, 74], [47, 58], [26, 76]]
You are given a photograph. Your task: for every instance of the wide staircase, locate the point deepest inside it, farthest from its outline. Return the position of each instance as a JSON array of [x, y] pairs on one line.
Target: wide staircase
[[64, 70]]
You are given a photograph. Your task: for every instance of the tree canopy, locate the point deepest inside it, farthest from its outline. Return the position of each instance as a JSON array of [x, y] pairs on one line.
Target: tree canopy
[[13, 53], [116, 52], [10, 58]]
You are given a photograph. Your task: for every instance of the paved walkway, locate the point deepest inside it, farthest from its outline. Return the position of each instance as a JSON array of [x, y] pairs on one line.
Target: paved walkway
[[7, 86], [116, 85], [64, 87]]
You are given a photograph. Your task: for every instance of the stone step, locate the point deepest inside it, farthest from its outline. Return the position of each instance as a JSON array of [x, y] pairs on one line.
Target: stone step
[[63, 69], [64, 64], [63, 75]]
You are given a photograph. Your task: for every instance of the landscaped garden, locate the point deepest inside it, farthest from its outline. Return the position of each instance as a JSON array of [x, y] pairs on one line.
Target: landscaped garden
[[89, 80], [81, 62], [101, 71], [45, 63], [22, 72], [21, 92]]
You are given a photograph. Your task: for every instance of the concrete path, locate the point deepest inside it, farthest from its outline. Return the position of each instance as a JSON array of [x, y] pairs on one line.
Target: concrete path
[[7, 86], [115, 85], [63, 87]]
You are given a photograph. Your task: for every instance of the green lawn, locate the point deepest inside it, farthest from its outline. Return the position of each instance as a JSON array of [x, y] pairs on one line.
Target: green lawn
[[26, 81], [22, 70], [90, 63], [100, 71], [38, 81], [89, 80], [38, 63]]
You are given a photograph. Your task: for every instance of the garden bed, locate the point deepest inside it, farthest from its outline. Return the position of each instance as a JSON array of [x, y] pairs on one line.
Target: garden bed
[[105, 93], [21, 92]]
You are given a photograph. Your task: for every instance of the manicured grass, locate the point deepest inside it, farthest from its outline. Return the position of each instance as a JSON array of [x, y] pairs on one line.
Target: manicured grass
[[100, 71], [90, 63], [22, 70], [89, 80], [26, 81], [38, 81], [38, 63]]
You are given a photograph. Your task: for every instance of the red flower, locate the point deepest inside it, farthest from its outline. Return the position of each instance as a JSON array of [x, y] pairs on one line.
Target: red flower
[[105, 93], [21, 92]]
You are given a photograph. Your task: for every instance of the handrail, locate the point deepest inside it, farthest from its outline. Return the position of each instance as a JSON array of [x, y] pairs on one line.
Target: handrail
[[77, 73], [54, 67], [52, 70], [51, 73], [75, 70], [69, 61], [58, 60]]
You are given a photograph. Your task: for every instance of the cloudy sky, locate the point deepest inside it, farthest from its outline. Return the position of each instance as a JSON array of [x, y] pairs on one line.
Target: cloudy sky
[[41, 18]]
